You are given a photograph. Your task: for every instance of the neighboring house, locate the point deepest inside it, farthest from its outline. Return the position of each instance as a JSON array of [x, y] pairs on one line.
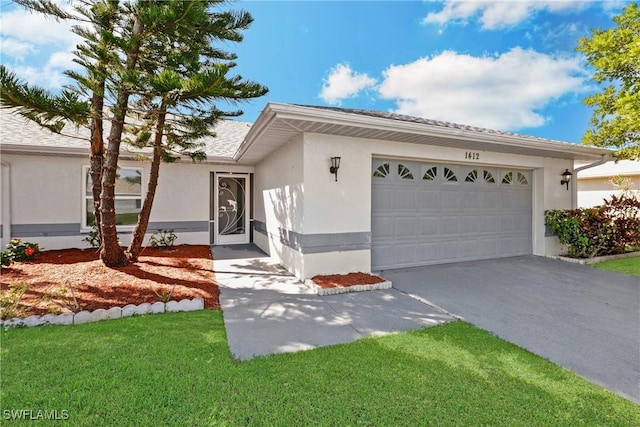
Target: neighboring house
[[594, 184], [409, 191]]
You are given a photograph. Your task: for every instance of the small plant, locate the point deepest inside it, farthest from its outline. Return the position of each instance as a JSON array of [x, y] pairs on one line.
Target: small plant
[[17, 250], [162, 238], [93, 238], [64, 296], [10, 300], [165, 297]]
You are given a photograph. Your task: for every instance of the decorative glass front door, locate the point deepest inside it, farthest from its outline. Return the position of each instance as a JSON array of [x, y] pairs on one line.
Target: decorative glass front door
[[232, 201]]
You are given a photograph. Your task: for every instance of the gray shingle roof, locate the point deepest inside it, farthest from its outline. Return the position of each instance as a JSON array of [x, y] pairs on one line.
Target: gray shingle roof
[[430, 122], [16, 130]]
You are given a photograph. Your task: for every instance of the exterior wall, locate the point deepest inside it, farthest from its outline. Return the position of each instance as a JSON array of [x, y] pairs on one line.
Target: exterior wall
[[554, 196], [316, 225], [278, 205], [44, 200], [594, 184]]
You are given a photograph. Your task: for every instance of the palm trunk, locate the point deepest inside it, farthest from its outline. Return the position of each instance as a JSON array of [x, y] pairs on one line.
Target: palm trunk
[[111, 253], [143, 218]]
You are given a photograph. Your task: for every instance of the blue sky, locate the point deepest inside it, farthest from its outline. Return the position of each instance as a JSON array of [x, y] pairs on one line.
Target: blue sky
[[507, 65]]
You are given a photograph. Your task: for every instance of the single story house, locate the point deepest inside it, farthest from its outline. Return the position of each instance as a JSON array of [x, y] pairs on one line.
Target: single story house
[[407, 191], [594, 184]]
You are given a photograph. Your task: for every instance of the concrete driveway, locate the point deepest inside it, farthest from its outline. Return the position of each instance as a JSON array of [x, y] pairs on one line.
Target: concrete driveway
[[581, 318]]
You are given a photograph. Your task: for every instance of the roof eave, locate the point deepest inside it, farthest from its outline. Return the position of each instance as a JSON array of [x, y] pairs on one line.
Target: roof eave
[[284, 112]]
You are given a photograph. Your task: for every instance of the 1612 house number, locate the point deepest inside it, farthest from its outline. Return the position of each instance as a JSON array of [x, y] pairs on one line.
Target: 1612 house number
[[472, 155]]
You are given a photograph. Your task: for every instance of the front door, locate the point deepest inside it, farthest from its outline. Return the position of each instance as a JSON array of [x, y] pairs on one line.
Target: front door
[[232, 202]]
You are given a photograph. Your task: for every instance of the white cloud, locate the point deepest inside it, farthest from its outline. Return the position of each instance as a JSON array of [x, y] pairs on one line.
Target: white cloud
[[43, 43], [502, 92], [15, 48], [46, 77], [343, 83], [498, 14], [36, 29], [62, 59]]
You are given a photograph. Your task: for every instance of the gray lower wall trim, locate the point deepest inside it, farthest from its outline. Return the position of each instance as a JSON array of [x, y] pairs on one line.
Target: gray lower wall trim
[[259, 226], [73, 229], [179, 226], [45, 230], [319, 243]]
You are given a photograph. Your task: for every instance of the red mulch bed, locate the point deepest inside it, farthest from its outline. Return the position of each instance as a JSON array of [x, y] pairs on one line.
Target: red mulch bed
[[185, 271], [346, 280]]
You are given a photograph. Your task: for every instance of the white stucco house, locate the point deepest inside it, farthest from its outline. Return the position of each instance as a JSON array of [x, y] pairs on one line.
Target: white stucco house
[[408, 191], [594, 184]]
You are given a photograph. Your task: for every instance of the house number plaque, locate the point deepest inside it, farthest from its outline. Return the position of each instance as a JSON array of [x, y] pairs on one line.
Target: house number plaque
[[472, 155]]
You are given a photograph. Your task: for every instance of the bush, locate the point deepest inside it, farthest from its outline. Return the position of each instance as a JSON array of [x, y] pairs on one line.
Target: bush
[[612, 228], [93, 238], [10, 300], [17, 250], [163, 239]]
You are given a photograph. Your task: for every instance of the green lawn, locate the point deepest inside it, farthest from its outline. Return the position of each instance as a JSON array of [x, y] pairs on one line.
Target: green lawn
[[174, 369], [624, 266]]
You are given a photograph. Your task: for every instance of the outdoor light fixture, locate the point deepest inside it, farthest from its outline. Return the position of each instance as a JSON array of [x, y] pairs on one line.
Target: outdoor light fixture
[[335, 165], [566, 178]]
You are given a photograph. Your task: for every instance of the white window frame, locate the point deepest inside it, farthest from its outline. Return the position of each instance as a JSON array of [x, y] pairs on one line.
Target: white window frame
[[88, 197]]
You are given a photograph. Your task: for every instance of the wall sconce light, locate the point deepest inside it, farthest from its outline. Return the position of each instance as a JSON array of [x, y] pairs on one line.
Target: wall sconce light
[[566, 178], [335, 165]]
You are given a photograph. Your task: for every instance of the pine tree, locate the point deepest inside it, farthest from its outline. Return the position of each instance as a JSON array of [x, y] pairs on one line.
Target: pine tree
[[153, 58]]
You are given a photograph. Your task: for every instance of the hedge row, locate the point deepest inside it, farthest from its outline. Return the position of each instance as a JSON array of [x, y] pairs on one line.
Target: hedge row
[[611, 228]]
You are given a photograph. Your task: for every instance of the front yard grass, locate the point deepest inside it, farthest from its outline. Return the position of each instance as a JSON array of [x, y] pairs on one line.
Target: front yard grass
[[175, 369], [625, 266]]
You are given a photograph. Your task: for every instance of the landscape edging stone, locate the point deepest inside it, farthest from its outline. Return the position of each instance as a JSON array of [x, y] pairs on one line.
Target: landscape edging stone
[[347, 289], [85, 316]]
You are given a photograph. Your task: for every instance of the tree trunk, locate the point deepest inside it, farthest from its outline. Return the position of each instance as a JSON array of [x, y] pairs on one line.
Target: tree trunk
[[111, 253], [97, 156], [143, 218]]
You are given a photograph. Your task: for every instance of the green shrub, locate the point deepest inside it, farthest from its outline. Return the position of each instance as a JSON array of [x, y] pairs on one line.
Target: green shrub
[[163, 238], [10, 300], [93, 238], [17, 250], [612, 228]]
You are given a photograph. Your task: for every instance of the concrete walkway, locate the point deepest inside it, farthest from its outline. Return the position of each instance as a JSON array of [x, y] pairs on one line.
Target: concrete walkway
[[581, 318], [267, 310]]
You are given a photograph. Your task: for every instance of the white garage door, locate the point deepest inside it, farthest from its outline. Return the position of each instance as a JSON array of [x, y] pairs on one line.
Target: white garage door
[[429, 213]]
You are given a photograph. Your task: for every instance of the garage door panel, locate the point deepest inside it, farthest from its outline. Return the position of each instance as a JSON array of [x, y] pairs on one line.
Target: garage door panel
[[469, 249], [448, 225], [450, 199], [472, 200], [406, 226], [383, 256], [469, 225], [436, 219], [449, 250], [428, 225], [429, 252], [406, 253], [488, 248], [384, 226], [383, 199], [488, 223], [406, 199], [429, 200]]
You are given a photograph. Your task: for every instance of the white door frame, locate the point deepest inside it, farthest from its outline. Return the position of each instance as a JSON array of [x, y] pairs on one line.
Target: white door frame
[[236, 238]]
